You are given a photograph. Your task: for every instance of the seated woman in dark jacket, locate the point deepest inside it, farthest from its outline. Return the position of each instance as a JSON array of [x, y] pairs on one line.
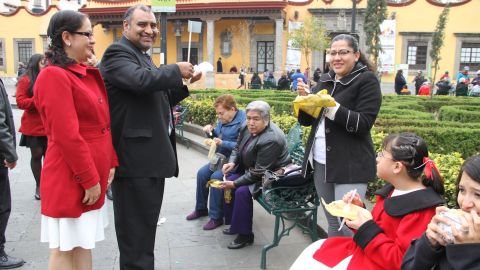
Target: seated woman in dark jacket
[[458, 249], [283, 83], [261, 146], [444, 86], [255, 82], [462, 88]]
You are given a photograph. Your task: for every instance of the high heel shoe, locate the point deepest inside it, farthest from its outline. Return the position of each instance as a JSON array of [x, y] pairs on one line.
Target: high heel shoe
[[37, 193]]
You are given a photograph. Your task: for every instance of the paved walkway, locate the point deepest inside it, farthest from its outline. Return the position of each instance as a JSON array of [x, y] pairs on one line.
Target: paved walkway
[[180, 244]]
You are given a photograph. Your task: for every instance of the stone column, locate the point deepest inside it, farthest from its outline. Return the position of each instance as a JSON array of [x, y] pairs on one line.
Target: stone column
[[210, 76], [278, 44], [211, 41]]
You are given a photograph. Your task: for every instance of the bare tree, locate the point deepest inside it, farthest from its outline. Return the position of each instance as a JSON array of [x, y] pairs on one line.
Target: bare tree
[[311, 36], [437, 43], [242, 36]]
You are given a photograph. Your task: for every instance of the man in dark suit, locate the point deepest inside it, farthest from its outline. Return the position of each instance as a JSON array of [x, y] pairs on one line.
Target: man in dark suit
[[8, 158], [141, 97]]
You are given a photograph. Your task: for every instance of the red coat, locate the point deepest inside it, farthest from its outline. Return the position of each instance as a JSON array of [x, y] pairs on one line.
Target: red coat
[[424, 90], [31, 122], [382, 242], [74, 108]]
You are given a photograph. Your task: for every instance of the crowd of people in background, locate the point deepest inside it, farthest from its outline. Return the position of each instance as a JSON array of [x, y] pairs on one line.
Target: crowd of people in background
[[463, 86]]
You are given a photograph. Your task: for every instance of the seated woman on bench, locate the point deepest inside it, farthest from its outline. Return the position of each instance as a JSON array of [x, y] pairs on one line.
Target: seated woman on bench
[[261, 146]]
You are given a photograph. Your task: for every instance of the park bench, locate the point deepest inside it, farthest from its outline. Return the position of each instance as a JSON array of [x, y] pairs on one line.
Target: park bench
[[292, 206], [179, 125]]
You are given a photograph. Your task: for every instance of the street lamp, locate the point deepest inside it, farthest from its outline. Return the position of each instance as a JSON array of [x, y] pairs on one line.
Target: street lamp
[[354, 14]]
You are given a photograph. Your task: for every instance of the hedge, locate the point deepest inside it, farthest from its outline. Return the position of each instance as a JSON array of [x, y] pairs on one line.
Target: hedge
[[464, 114], [443, 139], [450, 125]]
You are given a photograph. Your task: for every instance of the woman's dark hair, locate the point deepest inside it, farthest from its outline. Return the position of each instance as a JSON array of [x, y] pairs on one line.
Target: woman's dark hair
[[353, 43], [400, 71], [471, 167], [65, 20], [410, 149], [33, 70]]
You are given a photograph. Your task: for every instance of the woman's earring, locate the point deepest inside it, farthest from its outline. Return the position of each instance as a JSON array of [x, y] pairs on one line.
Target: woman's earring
[[69, 44]]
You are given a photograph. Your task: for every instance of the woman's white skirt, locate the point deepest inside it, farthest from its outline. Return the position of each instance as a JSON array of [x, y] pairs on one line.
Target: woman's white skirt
[[306, 260], [69, 233]]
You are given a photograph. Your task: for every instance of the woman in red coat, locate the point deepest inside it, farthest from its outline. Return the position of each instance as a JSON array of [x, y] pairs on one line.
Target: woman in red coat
[[80, 160], [405, 206], [424, 89], [33, 133]]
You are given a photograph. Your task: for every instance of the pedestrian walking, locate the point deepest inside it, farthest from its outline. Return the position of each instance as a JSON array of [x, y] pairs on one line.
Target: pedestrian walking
[[33, 133]]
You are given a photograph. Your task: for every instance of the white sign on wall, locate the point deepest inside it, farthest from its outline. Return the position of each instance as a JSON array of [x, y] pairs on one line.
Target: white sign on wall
[[294, 55], [388, 34]]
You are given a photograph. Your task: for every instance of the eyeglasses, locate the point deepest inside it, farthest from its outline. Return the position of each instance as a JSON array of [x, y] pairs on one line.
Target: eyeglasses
[[87, 34], [382, 155], [341, 53]]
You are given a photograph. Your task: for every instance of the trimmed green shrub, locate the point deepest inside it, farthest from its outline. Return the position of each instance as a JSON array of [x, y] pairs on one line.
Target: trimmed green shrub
[[443, 140], [449, 167], [460, 113]]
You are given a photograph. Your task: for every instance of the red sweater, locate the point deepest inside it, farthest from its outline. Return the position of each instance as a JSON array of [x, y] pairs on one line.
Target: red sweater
[[381, 243], [424, 90], [31, 123], [74, 108]]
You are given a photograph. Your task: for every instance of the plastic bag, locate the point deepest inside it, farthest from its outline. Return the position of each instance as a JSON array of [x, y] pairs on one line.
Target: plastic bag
[[313, 103]]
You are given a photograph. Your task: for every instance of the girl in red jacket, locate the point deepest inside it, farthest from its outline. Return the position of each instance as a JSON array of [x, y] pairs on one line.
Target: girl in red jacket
[[33, 133], [405, 206]]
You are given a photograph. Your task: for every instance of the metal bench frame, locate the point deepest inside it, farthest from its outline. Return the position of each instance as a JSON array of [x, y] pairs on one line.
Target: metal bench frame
[[297, 205]]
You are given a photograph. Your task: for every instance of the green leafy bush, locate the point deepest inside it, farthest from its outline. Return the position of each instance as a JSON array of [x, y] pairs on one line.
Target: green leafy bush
[[460, 113], [449, 166], [451, 138]]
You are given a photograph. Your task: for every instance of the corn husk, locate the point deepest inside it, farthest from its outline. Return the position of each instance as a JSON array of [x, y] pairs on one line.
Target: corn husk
[[312, 104], [215, 183], [340, 209], [213, 149]]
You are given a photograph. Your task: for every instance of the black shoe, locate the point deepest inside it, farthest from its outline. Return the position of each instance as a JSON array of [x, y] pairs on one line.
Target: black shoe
[[7, 262], [37, 193], [241, 241], [109, 193], [227, 231]]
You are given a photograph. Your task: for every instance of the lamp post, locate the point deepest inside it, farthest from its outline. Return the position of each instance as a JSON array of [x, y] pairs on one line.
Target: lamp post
[[163, 34], [354, 14]]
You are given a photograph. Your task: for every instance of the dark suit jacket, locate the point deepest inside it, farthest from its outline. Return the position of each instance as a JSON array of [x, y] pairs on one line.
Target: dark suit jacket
[[141, 97], [7, 128]]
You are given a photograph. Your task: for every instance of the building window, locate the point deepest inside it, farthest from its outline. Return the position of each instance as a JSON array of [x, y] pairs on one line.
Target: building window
[[417, 55], [265, 56], [193, 55], [25, 50], [470, 56], [226, 43], [2, 54]]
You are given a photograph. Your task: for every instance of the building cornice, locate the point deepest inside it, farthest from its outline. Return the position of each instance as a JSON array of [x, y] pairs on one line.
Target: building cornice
[[418, 34], [467, 35], [334, 11], [13, 13], [436, 3]]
